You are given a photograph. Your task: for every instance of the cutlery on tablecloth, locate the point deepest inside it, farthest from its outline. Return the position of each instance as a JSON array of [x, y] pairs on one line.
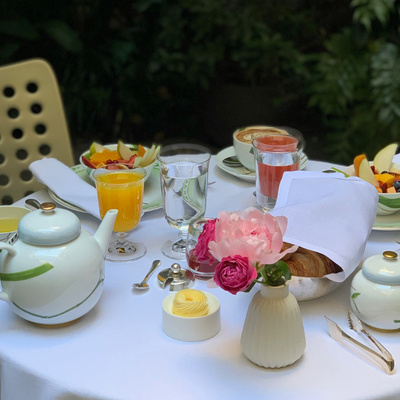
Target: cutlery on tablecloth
[[339, 335], [357, 326], [143, 284]]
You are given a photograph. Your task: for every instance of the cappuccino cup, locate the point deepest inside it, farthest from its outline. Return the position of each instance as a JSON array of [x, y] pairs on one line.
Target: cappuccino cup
[[243, 138]]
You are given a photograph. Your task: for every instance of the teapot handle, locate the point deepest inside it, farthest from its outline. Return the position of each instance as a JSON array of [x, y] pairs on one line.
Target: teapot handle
[[11, 251]]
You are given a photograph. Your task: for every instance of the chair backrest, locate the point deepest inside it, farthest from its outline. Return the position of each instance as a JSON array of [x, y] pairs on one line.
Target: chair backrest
[[32, 126]]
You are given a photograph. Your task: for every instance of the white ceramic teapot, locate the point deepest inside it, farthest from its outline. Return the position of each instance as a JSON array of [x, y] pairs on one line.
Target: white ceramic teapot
[[53, 274], [375, 292]]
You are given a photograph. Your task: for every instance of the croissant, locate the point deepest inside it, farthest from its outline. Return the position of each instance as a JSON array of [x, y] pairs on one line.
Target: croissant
[[308, 263]]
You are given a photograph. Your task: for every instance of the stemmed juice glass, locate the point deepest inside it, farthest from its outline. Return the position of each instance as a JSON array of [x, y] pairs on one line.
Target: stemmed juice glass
[[184, 180], [120, 186]]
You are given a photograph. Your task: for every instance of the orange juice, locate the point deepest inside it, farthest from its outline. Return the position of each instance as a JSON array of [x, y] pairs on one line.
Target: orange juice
[[122, 190]]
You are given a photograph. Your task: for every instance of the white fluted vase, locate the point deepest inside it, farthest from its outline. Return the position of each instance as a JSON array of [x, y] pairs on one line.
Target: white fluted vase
[[273, 333]]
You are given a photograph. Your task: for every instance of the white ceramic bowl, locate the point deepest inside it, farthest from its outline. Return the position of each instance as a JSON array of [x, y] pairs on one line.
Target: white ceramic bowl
[[305, 289], [388, 203], [191, 329], [11, 212], [89, 170]]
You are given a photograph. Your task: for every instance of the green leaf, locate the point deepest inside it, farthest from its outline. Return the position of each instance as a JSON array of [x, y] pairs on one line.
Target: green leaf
[[355, 295], [275, 274], [61, 33], [19, 28], [27, 274]]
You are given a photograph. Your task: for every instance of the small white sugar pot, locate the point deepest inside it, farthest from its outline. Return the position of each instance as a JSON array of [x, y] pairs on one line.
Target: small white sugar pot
[[375, 292]]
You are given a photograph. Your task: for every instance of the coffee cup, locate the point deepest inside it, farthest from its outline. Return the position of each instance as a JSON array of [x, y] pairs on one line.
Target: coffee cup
[[242, 142]]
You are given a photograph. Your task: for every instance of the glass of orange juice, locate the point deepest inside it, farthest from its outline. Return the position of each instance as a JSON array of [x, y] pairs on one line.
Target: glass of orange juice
[[120, 186], [274, 154]]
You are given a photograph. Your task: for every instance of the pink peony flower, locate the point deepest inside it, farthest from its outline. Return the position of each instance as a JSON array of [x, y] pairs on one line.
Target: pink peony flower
[[234, 274], [201, 250], [250, 233]]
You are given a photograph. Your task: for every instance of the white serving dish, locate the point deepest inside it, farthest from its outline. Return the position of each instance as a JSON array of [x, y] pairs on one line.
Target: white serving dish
[[89, 170], [191, 329], [388, 203]]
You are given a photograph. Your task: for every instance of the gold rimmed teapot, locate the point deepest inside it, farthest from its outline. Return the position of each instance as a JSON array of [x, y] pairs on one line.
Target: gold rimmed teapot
[[53, 274]]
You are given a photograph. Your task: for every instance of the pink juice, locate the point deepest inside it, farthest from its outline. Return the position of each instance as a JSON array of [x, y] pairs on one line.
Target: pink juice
[[275, 151]]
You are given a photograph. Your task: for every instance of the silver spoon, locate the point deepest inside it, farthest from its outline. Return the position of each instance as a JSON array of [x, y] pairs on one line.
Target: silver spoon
[[143, 284], [32, 204], [232, 161]]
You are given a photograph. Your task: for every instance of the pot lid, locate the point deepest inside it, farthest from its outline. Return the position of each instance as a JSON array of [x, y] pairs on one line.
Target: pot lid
[[49, 226], [383, 268]]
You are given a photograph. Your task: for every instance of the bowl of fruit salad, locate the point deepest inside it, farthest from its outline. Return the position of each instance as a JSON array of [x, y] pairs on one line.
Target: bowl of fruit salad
[[99, 156], [383, 174]]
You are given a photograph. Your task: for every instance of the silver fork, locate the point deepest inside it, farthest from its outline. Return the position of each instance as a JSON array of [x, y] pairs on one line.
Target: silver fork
[[357, 326]]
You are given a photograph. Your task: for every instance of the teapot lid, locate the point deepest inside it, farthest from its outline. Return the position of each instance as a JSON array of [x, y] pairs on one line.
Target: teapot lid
[[383, 268], [49, 226]]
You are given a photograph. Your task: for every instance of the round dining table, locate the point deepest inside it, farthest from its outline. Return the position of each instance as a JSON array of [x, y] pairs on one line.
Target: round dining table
[[119, 351]]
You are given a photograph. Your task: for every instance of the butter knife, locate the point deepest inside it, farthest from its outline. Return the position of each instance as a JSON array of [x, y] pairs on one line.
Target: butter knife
[[339, 335]]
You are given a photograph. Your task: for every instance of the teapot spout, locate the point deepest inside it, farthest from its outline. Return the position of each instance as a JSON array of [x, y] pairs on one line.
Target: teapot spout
[[104, 231]]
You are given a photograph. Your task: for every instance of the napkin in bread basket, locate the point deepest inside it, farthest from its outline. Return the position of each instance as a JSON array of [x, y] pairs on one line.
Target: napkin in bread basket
[[329, 214], [66, 184]]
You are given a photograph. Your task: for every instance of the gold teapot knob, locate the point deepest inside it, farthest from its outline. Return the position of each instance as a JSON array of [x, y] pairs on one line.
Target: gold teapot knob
[[47, 206], [390, 255]]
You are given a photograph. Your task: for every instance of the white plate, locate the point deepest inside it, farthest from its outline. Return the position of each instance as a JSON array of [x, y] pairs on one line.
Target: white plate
[[152, 199], [387, 222], [241, 172]]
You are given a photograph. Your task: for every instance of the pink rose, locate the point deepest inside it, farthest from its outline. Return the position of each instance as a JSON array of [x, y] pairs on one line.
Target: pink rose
[[252, 234], [234, 274], [201, 250]]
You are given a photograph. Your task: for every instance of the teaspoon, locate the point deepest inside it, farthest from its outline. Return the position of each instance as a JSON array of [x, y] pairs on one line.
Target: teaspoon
[[143, 284]]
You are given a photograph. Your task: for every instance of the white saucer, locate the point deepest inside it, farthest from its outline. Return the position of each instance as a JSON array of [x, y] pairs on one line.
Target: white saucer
[[387, 222], [241, 172], [152, 199]]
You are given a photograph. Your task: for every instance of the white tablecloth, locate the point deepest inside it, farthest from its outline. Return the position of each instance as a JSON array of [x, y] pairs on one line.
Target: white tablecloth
[[118, 350]]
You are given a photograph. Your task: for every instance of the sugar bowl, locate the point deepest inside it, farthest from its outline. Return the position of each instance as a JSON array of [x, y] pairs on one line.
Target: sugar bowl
[[375, 292]]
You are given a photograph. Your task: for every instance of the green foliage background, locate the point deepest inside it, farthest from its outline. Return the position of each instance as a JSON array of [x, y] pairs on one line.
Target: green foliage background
[[145, 71]]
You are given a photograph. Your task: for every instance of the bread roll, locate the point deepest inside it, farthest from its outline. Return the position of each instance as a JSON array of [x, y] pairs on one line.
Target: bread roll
[[308, 263]]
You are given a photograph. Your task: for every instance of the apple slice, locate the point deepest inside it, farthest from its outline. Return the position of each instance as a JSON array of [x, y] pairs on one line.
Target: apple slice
[[96, 148], [124, 151], [395, 168], [365, 173], [384, 157]]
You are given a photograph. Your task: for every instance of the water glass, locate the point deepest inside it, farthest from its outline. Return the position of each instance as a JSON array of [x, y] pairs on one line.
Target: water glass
[[184, 180], [274, 154]]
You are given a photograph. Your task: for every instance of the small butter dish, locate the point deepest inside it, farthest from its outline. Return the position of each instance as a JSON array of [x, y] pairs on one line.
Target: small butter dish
[[191, 329]]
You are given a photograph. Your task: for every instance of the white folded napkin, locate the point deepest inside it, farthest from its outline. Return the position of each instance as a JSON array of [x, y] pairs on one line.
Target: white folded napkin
[[329, 214], [66, 184]]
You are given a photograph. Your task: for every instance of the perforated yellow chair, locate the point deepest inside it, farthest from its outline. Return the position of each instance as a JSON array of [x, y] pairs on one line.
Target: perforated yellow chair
[[32, 126]]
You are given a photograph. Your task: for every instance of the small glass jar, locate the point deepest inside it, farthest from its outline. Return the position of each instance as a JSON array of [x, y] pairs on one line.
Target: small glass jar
[[201, 269]]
